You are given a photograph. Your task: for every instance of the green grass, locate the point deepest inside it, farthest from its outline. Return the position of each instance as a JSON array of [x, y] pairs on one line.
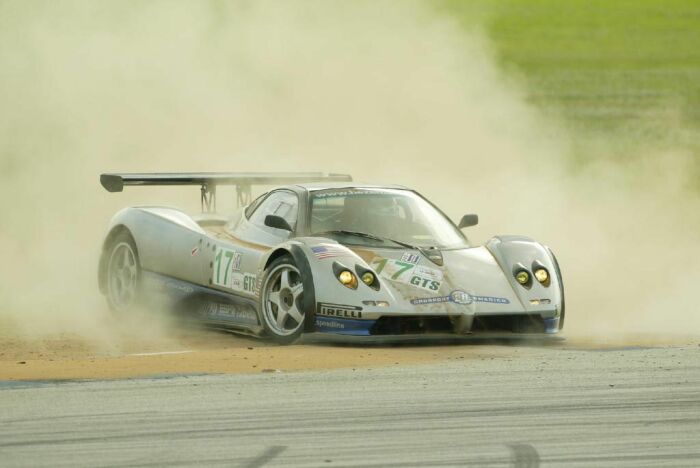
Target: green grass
[[624, 71]]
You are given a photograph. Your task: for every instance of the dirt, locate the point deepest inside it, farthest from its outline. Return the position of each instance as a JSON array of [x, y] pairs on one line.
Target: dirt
[[199, 351], [193, 352]]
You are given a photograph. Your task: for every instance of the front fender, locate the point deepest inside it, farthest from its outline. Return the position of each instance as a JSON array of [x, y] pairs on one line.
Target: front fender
[[315, 256], [514, 252]]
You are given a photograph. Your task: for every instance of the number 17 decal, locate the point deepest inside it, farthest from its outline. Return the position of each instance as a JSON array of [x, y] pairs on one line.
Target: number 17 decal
[[226, 262], [394, 269]]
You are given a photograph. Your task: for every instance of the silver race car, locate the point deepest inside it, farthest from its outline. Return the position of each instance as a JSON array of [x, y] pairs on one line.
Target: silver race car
[[320, 253]]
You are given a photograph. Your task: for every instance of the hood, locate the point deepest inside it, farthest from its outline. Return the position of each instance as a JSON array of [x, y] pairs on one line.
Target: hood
[[468, 279]]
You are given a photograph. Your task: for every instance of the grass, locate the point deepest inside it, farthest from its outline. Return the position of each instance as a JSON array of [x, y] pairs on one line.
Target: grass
[[624, 71]]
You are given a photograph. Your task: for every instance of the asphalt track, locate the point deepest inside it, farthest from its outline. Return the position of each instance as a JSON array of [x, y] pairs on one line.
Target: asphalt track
[[535, 406]]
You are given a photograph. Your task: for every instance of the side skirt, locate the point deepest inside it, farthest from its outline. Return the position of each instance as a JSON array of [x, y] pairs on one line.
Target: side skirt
[[192, 301]]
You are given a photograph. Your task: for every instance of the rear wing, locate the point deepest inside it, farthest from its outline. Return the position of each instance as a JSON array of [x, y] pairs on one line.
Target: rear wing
[[208, 181]]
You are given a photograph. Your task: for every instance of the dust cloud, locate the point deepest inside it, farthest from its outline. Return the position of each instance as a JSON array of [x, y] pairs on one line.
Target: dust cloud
[[387, 91]]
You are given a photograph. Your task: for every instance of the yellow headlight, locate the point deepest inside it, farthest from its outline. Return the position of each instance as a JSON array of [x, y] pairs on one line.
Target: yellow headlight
[[367, 278], [541, 275], [345, 277], [522, 277], [348, 279]]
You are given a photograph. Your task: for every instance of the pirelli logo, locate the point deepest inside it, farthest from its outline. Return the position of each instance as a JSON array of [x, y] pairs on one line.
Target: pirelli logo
[[339, 310]]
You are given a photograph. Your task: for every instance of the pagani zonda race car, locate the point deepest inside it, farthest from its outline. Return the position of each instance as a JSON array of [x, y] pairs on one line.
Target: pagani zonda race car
[[320, 253]]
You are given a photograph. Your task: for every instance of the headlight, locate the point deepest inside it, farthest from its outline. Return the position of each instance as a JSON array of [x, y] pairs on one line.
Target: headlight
[[348, 279], [541, 275], [368, 278], [522, 277]]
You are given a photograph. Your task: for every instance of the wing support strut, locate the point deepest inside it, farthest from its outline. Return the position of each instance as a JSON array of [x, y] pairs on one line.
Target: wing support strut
[[208, 198]]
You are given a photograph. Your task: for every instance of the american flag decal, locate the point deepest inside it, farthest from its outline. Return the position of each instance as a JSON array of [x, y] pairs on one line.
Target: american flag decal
[[410, 257], [328, 251]]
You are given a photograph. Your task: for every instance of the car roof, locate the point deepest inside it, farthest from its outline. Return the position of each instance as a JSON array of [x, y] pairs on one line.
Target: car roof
[[314, 186]]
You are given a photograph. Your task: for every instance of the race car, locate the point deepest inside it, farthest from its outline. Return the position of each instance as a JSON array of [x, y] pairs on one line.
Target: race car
[[320, 253]]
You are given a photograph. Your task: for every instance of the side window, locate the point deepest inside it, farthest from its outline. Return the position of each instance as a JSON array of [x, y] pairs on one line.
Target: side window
[[281, 203], [254, 204]]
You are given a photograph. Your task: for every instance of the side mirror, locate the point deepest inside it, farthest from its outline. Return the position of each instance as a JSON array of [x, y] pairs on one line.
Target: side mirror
[[277, 222], [469, 220]]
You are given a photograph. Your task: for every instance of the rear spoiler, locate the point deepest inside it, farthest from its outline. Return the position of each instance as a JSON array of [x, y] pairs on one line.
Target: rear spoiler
[[209, 180]]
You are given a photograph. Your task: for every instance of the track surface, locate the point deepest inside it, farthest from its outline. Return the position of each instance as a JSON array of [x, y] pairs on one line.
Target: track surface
[[529, 407]]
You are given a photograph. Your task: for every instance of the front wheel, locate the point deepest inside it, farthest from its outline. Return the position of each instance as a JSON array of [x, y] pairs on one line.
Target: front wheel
[[281, 301]]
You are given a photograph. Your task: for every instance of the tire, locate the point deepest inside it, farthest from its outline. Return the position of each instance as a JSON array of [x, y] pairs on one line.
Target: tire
[[562, 315], [123, 286], [281, 298]]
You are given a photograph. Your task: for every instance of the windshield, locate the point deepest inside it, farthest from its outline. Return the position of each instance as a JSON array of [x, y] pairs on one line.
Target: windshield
[[399, 215]]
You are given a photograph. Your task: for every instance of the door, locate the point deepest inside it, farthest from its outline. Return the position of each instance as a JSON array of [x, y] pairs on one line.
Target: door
[[236, 264]]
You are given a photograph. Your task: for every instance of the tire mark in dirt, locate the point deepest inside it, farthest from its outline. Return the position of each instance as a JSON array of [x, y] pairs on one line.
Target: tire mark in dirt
[[266, 456], [524, 456]]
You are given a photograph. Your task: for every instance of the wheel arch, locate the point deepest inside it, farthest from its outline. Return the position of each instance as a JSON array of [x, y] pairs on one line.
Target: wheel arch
[[277, 253], [557, 270], [302, 263]]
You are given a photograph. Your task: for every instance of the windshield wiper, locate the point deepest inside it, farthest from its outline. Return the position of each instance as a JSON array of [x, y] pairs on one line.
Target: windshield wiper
[[369, 236]]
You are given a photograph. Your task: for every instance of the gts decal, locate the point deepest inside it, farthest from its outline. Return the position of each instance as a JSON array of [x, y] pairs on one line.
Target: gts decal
[[425, 283], [249, 283]]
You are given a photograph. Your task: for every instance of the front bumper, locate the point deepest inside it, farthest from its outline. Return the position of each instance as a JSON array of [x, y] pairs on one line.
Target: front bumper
[[392, 324]]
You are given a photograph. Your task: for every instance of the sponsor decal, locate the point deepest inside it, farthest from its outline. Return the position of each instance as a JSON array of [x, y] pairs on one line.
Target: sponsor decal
[[234, 312], [491, 299], [425, 272], [236, 282], [343, 326], [421, 277], [431, 300], [410, 257], [460, 297], [342, 193], [339, 310], [329, 323], [328, 251], [236, 263]]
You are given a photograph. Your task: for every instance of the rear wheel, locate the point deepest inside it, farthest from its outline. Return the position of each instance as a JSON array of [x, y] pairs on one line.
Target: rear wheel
[[281, 301], [123, 274]]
